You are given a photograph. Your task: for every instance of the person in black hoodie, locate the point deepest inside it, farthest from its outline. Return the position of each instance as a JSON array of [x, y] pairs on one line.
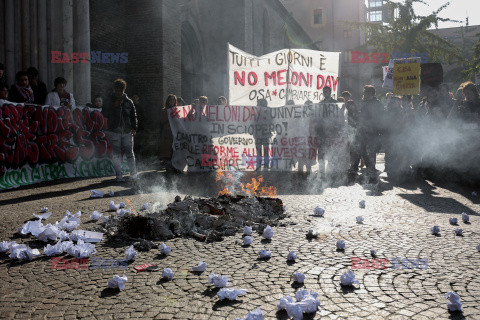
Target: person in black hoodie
[[122, 127]]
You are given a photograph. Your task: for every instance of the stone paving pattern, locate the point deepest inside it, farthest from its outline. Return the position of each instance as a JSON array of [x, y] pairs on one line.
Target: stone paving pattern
[[397, 224]]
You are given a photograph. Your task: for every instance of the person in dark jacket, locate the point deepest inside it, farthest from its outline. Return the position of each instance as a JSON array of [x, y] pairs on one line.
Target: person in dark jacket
[[370, 127], [122, 127], [21, 92], [39, 88]]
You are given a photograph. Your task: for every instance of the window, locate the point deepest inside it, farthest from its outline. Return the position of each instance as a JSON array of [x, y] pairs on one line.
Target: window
[[374, 3], [347, 34], [375, 16], [317, 16]]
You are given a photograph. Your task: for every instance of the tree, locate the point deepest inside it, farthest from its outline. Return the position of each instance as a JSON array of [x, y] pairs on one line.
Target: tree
[[405, 31], [473, 65]]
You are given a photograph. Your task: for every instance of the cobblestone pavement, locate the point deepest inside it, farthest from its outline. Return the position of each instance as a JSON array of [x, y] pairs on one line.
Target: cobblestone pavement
[[397, 224]]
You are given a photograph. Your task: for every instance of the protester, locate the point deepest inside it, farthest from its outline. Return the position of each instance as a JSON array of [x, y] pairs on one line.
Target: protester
[[21, 92], [196, 101], [222, 101], [171, 101], [262, 140], [347, 96], [327, 95], [39, 88], [3, 94], [3, 77], [122, 126], [180, 102], [371, 124], [59, 97], [471, 104], [436, 107], [98, 102], [356, 143], [395, 160], [203, 100]]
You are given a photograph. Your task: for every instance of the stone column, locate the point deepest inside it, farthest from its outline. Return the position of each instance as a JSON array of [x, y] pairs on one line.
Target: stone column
[[81, 43], [2, 33], [67, 42], [25, 37], [43, 58], [33, 34], [10, 41]]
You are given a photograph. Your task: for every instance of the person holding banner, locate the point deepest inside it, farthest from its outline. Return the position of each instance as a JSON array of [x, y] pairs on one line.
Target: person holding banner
[[122, 126], [327, 95]]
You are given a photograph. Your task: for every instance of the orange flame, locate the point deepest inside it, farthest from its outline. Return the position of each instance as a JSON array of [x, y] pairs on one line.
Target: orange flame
[[234, 187], [129, 202]]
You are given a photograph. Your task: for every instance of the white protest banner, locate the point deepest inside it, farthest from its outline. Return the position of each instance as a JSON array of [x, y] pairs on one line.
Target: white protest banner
[[288, 74], [247, 138]]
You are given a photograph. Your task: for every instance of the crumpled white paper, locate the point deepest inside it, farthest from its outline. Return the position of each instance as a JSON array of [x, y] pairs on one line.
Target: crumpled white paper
[[44, 209], [292, 256], [230, 294], [359, 220], [284, 207], [478, 247], [465, 217], [105, 218], [144, 206], [63, 235], [96, 194], [95, 215], [164, 249], [200, 267], [373, 253], [112, 206], [361, 204], [131, 253], [50, 233], [54, 250], [307, 302], [33, 227], [247, 240], [43, 216], [264, 254], [82, 250], [247, 231], [168, 274], [69, 222], [121, 205], [22, 253], [319, 212], [111, 193], [218, 280], [348, 278], [268, 233], [298, 277], [340, 244], [454, 304], [121, 212], [458, 232], [453, 221], [117, 282], [435, 230], [256, 314], [7, 245]]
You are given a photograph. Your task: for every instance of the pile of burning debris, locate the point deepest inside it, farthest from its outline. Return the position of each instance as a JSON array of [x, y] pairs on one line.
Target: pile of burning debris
[[207, 219]]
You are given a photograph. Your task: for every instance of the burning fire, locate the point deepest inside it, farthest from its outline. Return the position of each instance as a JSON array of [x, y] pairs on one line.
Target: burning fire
[[129, 202], [233, 186]]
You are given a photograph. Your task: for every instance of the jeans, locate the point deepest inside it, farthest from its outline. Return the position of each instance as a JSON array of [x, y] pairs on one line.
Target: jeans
[[123, 141]]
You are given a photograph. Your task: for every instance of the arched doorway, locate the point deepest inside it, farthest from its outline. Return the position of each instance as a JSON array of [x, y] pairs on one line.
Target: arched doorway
[[192, 64]]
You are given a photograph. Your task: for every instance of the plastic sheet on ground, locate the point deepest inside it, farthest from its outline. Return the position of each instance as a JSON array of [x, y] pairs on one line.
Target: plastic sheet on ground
[[348, 279], [230, 293], [200, 267], [117, 282], [256, 314], [454, 304], [218, 280], [131, 253], [268, 233], [168, 274]]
